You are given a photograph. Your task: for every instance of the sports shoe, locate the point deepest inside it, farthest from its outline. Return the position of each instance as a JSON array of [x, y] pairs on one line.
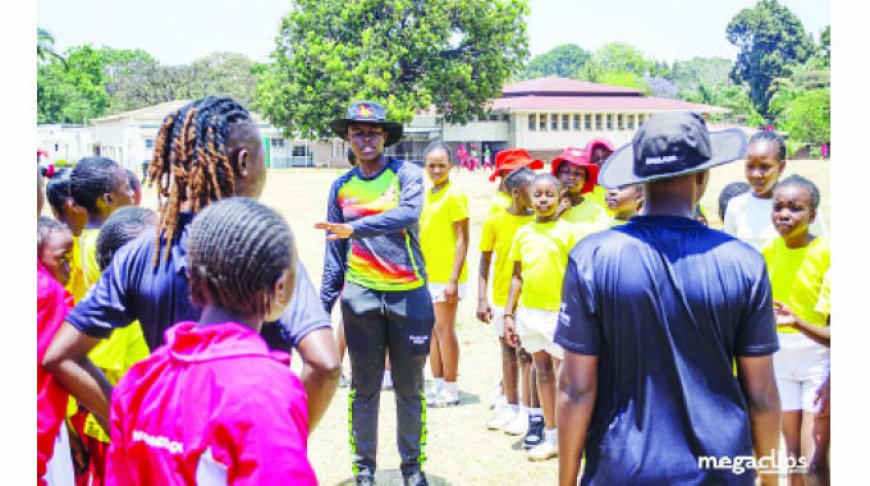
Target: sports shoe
[[342, 381], [500, 418], [535, 433], [364, 480], [517, 425], [498, 399], [417, 478], [547, 449], [444, 399]]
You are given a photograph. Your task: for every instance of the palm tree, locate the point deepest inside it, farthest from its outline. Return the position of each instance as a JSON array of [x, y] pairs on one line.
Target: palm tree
[[45, 45]]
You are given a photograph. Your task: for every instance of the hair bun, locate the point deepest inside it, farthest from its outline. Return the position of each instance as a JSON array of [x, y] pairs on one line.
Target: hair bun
[[50, 171]]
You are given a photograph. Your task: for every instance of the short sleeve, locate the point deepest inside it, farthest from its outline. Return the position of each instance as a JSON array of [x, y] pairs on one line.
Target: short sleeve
[[578, 329], [105, 305], [487, 235], [458, 207], [515, 254], [756, 331], [823, 305], [304, 315]]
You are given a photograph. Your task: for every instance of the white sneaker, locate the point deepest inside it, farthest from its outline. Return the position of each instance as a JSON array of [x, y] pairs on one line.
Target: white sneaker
[[444, 399], [518, 425], [547, 449], [498, 399], [500, 418], [432, 392]]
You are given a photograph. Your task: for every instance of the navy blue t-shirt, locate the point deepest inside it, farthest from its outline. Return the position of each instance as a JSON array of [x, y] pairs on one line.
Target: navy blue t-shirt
[[132, 288], [666, 304]]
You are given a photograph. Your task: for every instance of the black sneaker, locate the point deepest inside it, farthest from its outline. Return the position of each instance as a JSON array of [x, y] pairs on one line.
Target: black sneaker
[[364, 480], [416, 478], [535, 434]]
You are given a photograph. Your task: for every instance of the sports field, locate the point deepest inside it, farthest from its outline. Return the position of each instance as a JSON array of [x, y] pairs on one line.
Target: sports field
[[459, 450]]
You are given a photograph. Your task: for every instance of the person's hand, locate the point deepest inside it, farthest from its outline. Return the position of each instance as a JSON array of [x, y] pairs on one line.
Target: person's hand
[[823, 399], [510, 331], [451, 292], [336, 231], [784, 316], [564, 205], [484, 311]]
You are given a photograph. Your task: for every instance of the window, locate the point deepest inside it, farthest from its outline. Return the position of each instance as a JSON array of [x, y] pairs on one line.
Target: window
[[587, 121], [300, 151], [598, 121], [149, 144], [278, 142], [640, 119], [554, 121], [576, 122], [505, 117], [609, 121], [533, 122], [493, 117], [565, 122], [630, 121], [542, 119], [620, 122]]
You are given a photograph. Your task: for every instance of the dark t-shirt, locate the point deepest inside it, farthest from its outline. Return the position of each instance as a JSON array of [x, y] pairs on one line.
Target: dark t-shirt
[[666, 304], [132, 288]]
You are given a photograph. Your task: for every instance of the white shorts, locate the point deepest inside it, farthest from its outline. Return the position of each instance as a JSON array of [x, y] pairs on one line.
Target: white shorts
[[536, 328], [801, 366], [436, 290], [497, 320]]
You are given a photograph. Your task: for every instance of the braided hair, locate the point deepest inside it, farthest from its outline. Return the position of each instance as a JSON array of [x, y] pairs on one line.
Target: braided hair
[[772, 137], [91, 178], [191, 162], [123, 225], [439, 145], [237, 250], [59, 189]]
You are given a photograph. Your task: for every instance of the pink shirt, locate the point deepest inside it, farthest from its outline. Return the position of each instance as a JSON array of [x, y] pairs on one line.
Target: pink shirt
[[211, 406], [53, 302]]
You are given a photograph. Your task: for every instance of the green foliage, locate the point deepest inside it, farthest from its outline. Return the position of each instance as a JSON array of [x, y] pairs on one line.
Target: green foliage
[[710, 71], [73, 93], [566, 61], [407, 54], [807, 118], [770, 38], [45, 50]]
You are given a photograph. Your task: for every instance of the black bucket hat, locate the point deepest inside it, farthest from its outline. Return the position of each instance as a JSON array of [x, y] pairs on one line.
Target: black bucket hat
[[368, 112], [670, 145]]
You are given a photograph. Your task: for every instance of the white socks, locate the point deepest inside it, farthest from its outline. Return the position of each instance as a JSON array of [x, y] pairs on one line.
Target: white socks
[[439, 384], [449, 387], [551, 436], [536, 412]]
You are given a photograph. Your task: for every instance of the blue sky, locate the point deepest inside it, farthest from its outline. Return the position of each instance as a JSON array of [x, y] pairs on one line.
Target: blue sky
[[179, 31]]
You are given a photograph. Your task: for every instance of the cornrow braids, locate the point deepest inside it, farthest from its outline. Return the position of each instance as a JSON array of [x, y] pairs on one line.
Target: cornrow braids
[[191, 162], [728, 192], [772, 137], [123, 225], [59, 189], [45, 227], [796, 180], [237, 250], [91, 178]]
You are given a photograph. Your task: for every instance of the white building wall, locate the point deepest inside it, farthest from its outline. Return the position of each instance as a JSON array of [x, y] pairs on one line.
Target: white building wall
[[495, 131], [547, 138]]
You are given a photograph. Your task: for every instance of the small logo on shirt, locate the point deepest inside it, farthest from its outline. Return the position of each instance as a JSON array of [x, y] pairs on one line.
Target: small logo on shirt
[[418, 339], [158, 441]]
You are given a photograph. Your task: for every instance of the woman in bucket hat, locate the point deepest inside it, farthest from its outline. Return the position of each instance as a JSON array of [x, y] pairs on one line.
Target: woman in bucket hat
[[578, 177], [373, 259]]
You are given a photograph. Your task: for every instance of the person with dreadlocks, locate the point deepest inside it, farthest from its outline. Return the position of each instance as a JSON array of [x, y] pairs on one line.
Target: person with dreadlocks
[[207, 150], [374, 261], [222, 407]]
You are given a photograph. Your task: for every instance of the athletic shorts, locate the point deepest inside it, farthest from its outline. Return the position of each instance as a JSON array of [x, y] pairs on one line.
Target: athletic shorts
[[801, 366], [436, 290], [497, 320], [536, 328]]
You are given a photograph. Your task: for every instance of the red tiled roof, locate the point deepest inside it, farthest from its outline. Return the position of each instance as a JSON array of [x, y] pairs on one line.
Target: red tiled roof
[[555, 86], [599, 103]]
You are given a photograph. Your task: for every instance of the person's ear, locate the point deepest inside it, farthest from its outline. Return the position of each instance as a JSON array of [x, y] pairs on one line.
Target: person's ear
[[813, 213], [243, 160]]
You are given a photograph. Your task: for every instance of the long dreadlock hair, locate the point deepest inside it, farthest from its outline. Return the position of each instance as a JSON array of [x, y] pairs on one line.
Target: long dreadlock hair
[[191, 162]]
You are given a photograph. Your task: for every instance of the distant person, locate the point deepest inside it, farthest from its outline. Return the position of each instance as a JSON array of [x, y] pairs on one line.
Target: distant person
[[748, 215], [798, 262], [598, 150], [651, 340], [444, 240], [214, 405], [578, 177]]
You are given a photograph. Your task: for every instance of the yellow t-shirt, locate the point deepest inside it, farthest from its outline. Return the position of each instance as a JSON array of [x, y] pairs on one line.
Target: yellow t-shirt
[[438, 235], [542, 249], [597, 196], [587, 212], [823, 306], [796, 276], [76, 285], [497, 236], [501, 202], [90, 268]]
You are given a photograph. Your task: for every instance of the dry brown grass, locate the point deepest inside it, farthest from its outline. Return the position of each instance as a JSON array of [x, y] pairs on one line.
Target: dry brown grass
[[460, 449]]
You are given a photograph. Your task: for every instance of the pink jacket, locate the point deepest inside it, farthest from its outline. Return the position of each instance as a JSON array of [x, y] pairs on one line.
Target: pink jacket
[[53, 303], [211, 406]]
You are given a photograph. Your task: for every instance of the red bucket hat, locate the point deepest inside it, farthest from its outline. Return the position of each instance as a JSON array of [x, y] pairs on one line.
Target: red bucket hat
[[576, 156], [510, 159]]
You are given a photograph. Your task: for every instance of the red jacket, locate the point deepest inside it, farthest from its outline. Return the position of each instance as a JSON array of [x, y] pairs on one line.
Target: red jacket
[[53, 303], [211, 406]]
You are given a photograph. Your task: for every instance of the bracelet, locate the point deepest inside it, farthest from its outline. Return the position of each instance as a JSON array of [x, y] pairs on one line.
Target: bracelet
[[507, 315]]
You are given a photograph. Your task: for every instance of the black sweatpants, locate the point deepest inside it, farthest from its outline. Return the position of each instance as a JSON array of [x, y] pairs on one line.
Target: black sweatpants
[[375, 321]]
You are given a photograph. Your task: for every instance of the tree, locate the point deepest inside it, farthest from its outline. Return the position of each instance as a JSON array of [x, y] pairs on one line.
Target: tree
[[619, 64], [407, 54], [566, 61], [807, 118], [711, 71], [45, 46], [770, 38], [75, 93]]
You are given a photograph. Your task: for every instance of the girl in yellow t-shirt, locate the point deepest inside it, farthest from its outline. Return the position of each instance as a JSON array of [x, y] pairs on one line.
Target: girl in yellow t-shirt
[[578, 176], [797, 262], [540, 255], [59, 194], [444, 241]]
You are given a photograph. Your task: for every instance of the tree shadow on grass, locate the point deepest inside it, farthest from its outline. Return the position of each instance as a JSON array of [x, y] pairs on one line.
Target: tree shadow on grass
[[393, 477]]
